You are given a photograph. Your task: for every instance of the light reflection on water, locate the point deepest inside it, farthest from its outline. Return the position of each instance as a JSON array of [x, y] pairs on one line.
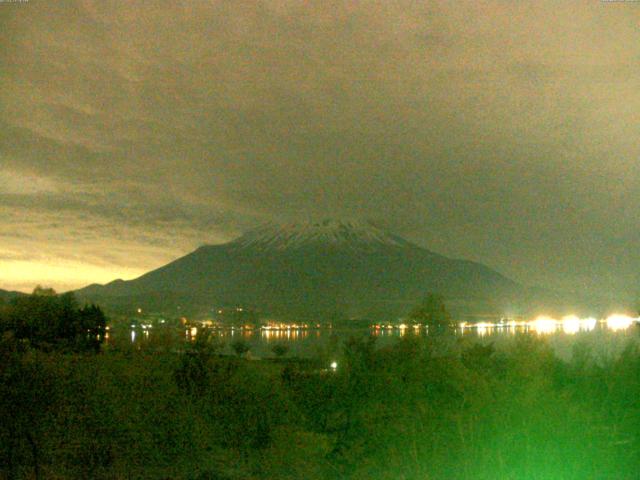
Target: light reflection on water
[[606, 335], [544, 325]]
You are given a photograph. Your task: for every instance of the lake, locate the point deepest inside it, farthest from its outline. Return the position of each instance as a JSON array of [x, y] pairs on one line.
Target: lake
[[604, 338]]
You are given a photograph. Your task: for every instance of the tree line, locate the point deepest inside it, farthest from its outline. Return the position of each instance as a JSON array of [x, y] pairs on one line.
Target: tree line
[[432, 407], [50, 321]]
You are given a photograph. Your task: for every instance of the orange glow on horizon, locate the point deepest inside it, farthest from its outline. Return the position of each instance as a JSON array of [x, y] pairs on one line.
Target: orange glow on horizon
[[24, 275]]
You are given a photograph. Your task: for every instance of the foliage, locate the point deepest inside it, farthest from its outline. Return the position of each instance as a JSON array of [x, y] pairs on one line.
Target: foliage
[[30, 399], [408, 410], [240, 347], [48, 320], [196, 367], [280, 349], [431, 311]]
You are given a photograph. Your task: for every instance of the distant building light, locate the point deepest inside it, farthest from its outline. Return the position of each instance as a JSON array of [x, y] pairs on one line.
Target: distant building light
[[617, 322]]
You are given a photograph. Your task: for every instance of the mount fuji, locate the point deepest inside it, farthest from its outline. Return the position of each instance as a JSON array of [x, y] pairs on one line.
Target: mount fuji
[[313, 270]]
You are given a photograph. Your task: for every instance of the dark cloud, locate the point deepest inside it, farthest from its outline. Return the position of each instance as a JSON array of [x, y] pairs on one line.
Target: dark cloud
[[132, 132]]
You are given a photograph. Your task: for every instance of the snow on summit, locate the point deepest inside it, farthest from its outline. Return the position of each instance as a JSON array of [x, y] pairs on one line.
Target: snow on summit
[[327, 232]]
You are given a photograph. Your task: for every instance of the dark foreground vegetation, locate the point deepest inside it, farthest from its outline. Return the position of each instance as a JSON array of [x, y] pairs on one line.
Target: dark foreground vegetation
[[425, 408]]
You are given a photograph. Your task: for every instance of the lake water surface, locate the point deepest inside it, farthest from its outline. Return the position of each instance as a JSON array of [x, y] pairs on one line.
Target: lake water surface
[[604, 338]]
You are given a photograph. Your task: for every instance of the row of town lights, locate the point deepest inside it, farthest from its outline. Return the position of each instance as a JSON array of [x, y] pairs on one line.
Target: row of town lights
[[545, 324]]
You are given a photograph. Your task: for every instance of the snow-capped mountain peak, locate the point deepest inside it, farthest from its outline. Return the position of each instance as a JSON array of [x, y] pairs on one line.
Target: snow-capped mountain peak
[[326, 232]]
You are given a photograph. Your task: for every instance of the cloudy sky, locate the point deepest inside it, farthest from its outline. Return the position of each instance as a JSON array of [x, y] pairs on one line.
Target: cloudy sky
[[505, 132]]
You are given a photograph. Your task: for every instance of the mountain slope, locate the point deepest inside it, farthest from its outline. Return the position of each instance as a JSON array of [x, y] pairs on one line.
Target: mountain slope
[[313, 270], [6, 296]]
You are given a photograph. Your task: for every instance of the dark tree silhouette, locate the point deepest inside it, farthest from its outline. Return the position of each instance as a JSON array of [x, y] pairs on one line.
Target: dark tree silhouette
[[240, 347], [432, 311], [48, 320], [27, 401], [280, 350]]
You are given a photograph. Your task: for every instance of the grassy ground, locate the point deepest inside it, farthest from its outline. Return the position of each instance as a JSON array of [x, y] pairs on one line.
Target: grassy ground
[[413, 410]]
